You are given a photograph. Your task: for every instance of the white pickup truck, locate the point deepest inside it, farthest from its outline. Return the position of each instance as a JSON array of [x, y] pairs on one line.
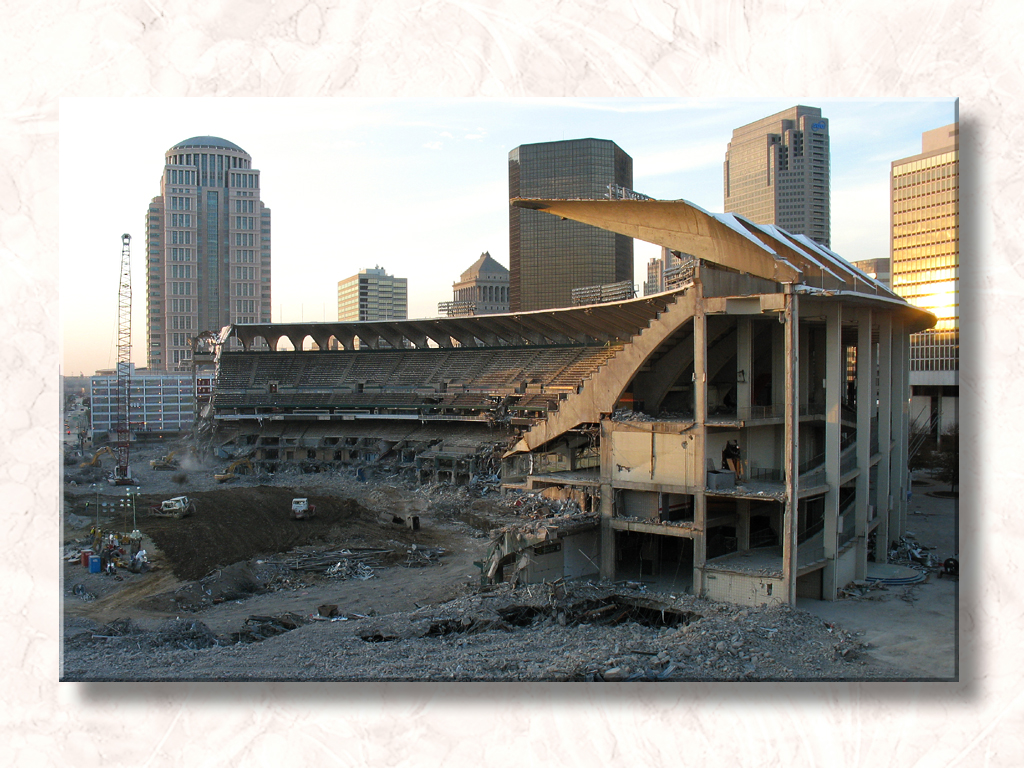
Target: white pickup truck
[[178, 507], [302, 509]]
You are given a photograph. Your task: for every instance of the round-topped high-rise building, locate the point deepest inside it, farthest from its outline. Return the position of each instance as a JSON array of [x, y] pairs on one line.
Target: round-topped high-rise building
[[207, 247]]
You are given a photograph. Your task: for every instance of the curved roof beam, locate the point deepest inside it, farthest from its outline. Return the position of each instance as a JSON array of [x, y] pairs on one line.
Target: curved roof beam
[[678, 225]]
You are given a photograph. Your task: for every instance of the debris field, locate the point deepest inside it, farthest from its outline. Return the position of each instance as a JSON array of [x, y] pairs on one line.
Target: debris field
[[239, 591]]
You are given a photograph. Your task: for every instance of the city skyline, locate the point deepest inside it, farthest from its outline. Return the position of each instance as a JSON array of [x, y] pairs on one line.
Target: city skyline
[[419, 186]]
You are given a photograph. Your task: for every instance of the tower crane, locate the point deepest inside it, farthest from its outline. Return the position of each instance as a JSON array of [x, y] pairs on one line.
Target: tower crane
[[122, 471]]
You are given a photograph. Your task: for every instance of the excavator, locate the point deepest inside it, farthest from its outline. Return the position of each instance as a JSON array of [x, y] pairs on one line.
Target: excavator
[[229, 473], [95, 460], [165, 462]]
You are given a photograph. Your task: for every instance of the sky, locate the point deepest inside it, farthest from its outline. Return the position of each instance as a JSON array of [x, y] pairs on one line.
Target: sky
[[416, 186]]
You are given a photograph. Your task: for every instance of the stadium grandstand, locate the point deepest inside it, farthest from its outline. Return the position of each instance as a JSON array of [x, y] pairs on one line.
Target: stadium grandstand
[[742, 436]]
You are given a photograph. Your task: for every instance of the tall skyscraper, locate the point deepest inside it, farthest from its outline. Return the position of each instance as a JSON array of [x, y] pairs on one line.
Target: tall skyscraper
[[373, 294], [548, 257], [777, 172], [926, 269], [208, 248], [667, 272]]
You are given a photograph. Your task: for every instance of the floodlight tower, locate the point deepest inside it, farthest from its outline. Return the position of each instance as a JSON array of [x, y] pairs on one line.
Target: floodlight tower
[[122, 472]]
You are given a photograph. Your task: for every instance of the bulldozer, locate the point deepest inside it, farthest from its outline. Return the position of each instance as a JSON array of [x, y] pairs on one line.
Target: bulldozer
[[177, 507], [95, 460], [230, 474], [165, 462]]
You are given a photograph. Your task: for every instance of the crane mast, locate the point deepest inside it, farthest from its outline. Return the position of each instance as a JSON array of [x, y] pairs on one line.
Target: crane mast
[[122, 472]]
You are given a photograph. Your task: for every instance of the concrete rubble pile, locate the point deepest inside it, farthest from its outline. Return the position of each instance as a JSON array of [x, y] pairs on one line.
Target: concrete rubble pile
[[576, 631]]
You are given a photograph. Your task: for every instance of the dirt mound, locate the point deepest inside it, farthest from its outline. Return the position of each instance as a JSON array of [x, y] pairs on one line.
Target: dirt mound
[[242, 523]]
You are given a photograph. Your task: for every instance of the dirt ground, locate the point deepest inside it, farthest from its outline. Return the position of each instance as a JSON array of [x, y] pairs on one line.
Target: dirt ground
[[218, 600], [915, 627]]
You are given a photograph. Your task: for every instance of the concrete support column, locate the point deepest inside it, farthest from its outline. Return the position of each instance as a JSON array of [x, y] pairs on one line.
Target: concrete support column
[[901, 430], [791, 316], [835, 384], [885, 406], [607, 506], [865, 401], [896, 414], [742, 524], [700, 414], [700, 538], [809, 379], [744, 367]]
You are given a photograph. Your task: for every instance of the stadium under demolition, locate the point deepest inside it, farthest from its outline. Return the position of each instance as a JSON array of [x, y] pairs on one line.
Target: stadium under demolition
[[741, 437]]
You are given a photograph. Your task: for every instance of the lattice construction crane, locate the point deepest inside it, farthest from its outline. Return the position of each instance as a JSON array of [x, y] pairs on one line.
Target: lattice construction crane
[[122, 472]]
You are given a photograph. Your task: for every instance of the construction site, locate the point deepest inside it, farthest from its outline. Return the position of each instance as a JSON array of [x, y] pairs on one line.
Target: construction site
[[694, 485]]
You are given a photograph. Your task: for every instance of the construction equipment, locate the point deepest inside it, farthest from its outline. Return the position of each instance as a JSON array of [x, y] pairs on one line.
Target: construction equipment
[[165, 462], [951, 568], [177, 507], [230, 474], [302, 509], [95, 460], [122, 472]]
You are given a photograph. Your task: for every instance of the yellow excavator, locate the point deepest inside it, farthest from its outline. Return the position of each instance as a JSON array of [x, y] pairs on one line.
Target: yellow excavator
[[165, 462], [95, 460], [230, 474]]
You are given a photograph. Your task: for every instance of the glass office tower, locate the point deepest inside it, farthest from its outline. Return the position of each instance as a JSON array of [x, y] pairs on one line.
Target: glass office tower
[[926, 267], [776, 171], [549, 257]]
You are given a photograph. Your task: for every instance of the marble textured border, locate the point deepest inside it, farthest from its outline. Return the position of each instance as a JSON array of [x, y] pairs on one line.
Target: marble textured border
[[554, 48]]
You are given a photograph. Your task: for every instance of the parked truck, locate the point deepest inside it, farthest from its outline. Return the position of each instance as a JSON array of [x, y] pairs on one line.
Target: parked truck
[[177, 507], [302, 509]]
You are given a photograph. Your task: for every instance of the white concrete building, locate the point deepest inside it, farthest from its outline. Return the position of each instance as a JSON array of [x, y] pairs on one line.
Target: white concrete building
[[159, 402], [373, 294]]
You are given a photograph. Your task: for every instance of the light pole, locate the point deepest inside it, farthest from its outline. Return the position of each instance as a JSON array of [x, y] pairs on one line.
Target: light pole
[[131, 497]]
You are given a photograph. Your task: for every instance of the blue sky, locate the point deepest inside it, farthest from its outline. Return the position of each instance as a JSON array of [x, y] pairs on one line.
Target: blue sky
[[417, 186]]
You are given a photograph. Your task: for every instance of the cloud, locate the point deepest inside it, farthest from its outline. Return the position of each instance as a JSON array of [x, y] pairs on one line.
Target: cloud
[[435, 145]]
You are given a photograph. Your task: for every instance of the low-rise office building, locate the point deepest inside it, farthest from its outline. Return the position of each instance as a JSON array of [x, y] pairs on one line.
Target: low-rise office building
[[160, 403]]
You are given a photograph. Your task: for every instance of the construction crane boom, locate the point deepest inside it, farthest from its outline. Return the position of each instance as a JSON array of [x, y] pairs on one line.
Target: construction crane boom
[[122, 472]]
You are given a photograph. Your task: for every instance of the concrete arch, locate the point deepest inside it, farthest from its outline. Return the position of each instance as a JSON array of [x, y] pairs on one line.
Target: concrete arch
[[610, 382]]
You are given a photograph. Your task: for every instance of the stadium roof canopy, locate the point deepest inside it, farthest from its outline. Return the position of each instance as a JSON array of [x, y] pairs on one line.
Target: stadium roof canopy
[[726, 239], [590, 325]]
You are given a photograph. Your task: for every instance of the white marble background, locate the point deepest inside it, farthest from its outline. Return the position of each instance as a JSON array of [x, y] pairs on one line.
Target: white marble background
[[970, 49]]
